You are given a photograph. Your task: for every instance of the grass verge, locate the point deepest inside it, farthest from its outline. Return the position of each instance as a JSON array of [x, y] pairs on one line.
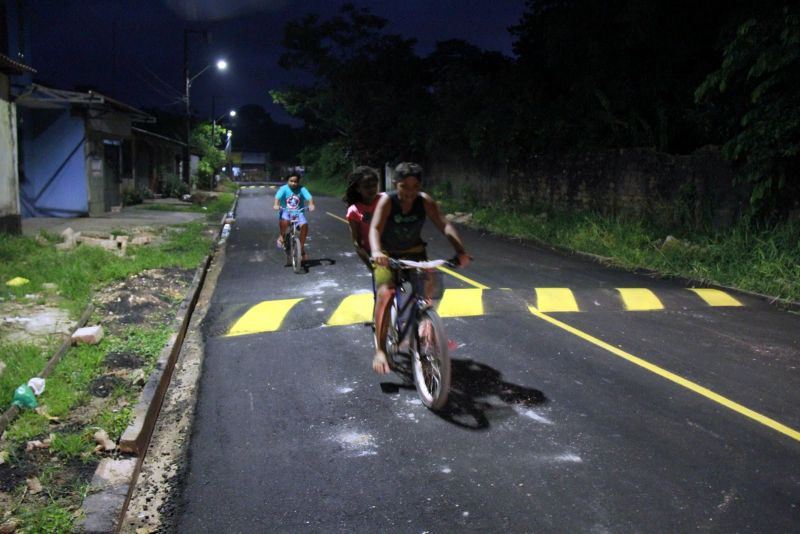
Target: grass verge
[[71, 410], [765, 260]]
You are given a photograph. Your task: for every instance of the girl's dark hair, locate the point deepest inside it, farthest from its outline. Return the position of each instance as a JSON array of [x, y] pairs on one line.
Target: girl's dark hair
[[359, 174]]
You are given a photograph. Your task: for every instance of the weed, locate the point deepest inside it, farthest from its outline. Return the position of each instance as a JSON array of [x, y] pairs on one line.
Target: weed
[[72, 446], [26, 427], [52, 519], [115, 422]]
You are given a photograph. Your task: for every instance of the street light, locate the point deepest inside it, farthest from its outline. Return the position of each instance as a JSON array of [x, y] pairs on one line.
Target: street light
[[221, 64], [231, 114]]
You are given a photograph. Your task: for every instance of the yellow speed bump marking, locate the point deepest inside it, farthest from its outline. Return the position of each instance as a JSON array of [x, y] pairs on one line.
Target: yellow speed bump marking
[[639, 299], [353, 309], [715, 297], [672, 377], [265, 316], [461, 303], [555, 299]]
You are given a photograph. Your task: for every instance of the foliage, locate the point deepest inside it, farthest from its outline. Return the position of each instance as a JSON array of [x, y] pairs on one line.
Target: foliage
[[206, 137], [758, 84], [171, 184], [72, 446], [369, 91]]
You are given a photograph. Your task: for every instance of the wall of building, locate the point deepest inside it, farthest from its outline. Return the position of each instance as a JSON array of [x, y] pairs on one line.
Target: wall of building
[[53, 181], [671, 190], [10, 220]]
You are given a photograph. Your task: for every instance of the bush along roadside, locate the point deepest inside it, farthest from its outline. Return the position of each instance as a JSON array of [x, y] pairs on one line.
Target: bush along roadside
[[761, 259], [49, 453]]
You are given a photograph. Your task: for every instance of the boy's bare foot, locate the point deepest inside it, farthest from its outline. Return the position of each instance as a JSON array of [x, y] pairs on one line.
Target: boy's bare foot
[[379, 363]]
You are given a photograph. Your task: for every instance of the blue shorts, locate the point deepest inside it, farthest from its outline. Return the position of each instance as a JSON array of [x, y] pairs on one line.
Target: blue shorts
[[288, 215]]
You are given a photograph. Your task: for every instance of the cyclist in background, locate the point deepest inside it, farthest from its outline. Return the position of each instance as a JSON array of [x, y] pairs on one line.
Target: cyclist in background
[[290, 199], [395, 232]]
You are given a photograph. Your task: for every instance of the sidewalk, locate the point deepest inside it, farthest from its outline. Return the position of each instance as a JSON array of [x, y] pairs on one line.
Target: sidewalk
[[127, 219]]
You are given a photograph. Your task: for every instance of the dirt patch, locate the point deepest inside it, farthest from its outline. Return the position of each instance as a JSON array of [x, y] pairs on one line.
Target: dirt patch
[[123, 360], [147, 298], [103, 386]]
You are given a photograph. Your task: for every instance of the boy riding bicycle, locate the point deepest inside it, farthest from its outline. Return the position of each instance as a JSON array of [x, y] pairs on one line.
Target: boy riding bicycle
[[395, 232]]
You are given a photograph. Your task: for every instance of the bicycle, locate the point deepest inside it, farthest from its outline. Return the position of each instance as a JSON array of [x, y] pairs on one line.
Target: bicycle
[[409, 318], [291, 241]]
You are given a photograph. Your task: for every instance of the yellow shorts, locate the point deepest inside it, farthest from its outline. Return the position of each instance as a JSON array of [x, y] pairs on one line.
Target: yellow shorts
[[385, 276]]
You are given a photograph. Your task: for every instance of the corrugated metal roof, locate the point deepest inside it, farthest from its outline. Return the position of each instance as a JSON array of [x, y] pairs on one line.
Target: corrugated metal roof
[[10, 66]]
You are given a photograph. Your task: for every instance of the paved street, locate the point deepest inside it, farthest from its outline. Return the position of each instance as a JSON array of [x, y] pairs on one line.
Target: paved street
[[584, 399]]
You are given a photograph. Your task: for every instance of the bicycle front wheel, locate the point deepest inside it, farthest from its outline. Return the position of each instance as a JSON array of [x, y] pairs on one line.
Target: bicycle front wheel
[[430, 361], [297, 255]]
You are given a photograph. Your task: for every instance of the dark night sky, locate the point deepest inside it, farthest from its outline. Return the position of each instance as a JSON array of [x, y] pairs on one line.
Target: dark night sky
[[133, 49]]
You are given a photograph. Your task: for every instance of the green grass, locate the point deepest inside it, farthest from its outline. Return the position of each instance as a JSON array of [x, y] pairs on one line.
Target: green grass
[[215, 206], [761, 259], [333, 187], [78, 271], [115, 422], [78, 446], [51, 519]]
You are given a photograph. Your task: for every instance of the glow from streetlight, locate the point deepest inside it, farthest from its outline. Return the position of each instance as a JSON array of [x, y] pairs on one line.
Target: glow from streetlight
[[232, 113], [222, 64]]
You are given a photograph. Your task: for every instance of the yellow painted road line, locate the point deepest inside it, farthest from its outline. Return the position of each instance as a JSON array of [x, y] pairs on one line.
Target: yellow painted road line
[[461, 303], [265, 316], [463, 278], [688, 384], [353, 309], [337, 217], [715, 297], [639, 299], [555, 299]]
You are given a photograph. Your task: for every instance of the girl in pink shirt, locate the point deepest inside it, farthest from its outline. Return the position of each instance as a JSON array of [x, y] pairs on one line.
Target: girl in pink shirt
[[361, 197]]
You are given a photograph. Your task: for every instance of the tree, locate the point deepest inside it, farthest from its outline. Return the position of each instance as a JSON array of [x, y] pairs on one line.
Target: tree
[[368, 91], [758, 85], [212, 158]]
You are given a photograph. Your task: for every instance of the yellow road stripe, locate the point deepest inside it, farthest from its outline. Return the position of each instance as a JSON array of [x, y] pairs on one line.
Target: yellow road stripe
[[715, 297], [463, 278], [688, 384], [639, 299], [461, 303], [353, 309], [337, 217], [265, 316], [555, 299]]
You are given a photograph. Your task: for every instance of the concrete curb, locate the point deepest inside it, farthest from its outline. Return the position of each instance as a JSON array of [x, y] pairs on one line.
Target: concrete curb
[[114, 479]]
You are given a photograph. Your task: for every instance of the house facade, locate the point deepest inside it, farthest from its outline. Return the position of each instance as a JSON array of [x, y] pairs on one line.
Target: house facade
[[71, 157]]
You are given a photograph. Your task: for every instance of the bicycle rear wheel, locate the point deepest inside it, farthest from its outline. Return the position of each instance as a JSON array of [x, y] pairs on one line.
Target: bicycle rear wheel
[[297, 255], [430, 361]]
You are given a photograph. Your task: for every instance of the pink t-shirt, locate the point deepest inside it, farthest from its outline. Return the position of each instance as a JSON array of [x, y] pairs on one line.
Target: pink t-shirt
[[362, 214]]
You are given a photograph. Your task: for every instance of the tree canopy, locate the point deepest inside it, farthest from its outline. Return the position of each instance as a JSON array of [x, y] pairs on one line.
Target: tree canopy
[[672, 75]]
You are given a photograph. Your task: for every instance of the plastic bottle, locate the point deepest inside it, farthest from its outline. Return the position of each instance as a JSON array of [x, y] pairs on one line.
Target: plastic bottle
[[24, 397], [226, 230]]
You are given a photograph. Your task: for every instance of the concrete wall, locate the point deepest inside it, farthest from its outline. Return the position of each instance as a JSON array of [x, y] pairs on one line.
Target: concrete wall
[[10, 220], [672, 190], [54, 180]]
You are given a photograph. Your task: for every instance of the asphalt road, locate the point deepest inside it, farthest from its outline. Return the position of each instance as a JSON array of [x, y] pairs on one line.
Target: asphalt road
[[651, 408]]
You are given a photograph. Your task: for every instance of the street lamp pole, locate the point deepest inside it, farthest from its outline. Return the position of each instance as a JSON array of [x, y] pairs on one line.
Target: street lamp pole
[[221, 65]]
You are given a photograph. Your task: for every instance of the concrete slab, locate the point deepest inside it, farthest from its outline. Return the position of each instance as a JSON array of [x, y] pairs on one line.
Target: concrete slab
[[127, 219]]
